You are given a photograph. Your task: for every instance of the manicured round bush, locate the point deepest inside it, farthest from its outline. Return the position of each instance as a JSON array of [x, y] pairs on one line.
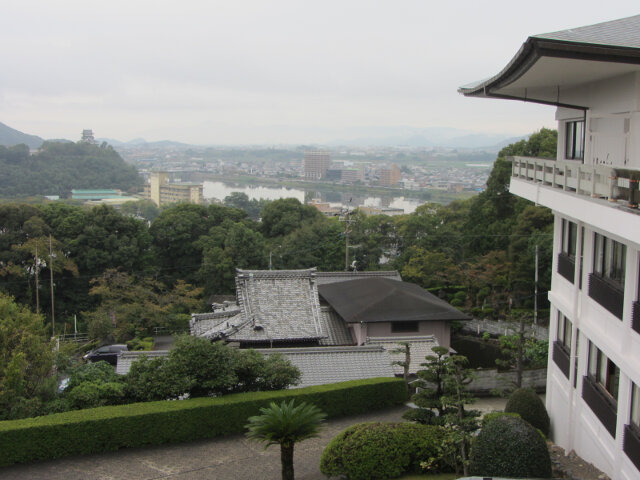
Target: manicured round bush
[[380, 450], [493, 415], [528, 405], [510, 447]]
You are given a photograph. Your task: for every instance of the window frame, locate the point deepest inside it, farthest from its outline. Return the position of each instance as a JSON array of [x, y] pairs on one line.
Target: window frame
[[564, 332], [609, 259], [569, 238], [574, 131], [602, 371]]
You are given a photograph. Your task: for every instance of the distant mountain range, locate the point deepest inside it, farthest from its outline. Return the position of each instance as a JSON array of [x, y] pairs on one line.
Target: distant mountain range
[[142, 141], [10, 136], [427, 137], [410, 137]]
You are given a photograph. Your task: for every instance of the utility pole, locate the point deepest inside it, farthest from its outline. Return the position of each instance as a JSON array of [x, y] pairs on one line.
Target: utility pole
[[346, 236], [535, 295], [53, 315], [37, 284]]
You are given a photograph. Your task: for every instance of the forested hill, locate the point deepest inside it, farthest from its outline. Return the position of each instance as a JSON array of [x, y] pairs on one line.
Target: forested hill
[[10, 136], [59, 167]]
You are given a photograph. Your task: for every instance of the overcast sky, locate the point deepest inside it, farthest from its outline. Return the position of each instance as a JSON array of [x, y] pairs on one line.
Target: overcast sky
[[268, 71]]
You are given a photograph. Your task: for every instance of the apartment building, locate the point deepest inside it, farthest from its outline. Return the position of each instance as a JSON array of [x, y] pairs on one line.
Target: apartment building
[[389, 176], [316, 164], [592, 76], [162, 192]]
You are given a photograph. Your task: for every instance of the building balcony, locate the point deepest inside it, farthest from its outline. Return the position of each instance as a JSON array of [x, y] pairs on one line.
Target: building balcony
[[631, 445], [601, 404], [607, 294], [635, 316], [566, 266], [596, 181], [561, 358]]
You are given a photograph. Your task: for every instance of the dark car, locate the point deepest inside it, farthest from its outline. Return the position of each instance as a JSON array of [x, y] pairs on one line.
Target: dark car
[[107, 353]]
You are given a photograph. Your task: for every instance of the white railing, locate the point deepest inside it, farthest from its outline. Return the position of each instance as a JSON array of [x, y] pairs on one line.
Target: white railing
[[598, 181]]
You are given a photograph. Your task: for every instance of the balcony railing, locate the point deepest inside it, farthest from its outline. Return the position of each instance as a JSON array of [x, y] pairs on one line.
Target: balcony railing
[[635, 316], [561, 358], [600, 181], [631, 445], [566, 266], [601, 404], [607, 294]]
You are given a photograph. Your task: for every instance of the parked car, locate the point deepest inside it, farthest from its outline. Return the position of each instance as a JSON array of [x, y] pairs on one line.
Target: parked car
[[107, 353]]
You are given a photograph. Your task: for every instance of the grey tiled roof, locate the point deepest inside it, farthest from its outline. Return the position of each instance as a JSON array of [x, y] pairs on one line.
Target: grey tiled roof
[[624, 32], [125, 359], [201, 323], [322, 278], [420, 347], [322, 365], [278, 305], [337, 330]]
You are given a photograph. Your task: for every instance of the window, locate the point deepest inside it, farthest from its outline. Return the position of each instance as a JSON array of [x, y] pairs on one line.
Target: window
[[575, 364], [564, 332], [635, 406], [569, 238], [603, 371], [609, 259], [574, 140], [404, 327]]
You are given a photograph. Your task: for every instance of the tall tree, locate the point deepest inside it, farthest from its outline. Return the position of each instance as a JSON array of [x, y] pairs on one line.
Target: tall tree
[[26, 361]]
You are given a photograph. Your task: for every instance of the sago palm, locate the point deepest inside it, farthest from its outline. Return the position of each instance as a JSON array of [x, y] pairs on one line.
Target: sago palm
[[285, 424]]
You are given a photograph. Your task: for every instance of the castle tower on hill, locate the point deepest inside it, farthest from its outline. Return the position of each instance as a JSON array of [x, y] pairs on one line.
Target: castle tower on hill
[[87, 136]]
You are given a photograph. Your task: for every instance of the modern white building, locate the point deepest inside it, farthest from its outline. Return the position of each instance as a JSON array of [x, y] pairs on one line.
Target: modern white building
[[592, 76]]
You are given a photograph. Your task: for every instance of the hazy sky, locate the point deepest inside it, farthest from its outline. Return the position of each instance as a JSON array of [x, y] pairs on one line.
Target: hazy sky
[[274, 71]]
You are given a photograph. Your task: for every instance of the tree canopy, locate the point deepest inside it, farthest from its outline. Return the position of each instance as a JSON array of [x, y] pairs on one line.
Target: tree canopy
[[57, 168]]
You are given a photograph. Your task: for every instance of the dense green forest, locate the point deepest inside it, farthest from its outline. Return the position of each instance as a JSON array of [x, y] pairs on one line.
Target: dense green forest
[[57, 168]]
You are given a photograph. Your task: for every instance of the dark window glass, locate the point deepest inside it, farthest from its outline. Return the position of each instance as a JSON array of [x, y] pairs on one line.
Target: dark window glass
[[609, 259], [635, 406], [569, 237], [402, 327], [574, 140], [564, 332], [603, 371]]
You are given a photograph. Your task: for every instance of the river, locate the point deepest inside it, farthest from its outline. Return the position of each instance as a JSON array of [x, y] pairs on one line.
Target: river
[[220, 190]]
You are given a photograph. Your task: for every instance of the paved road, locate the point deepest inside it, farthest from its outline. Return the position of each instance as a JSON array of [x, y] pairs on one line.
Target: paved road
[[225, 458]]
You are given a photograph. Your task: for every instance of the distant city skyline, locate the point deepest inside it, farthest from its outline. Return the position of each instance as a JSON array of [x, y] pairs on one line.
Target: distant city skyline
[[281, 72]]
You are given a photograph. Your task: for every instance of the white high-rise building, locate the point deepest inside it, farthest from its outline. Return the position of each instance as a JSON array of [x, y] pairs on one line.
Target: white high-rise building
[[592, 75]]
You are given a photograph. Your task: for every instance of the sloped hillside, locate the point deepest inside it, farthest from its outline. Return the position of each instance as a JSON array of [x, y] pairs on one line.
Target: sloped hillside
[[10, 136]]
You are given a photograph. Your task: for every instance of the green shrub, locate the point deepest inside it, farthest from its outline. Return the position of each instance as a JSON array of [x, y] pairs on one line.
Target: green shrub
[[110, 428], [380, 450], [140, 344], [424, 416], [510, 447], [528, 405], [493, 415], [95, 394], [97, 372]]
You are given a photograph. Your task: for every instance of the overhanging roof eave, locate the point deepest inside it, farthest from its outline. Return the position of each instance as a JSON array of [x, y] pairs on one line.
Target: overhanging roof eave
[[537, 47]]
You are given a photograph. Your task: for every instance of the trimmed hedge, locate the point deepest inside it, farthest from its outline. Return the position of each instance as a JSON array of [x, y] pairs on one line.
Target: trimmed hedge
[[526, 403], [381, 450], [151, 423], [510, 447]]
